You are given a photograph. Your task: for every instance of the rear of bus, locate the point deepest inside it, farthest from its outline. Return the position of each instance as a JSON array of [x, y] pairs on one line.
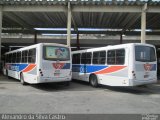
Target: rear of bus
[[144, 69], [55, 65]]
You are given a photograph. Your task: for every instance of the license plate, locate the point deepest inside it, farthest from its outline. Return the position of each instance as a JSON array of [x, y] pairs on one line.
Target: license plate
[[56, 74], [57, 71], [146, 76]]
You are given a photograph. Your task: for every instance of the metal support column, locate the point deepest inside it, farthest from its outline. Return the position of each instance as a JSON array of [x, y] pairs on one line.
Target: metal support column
[[1, 15], [35, 37], [143, 24], [78, 45], [121, 38], [69, 25]]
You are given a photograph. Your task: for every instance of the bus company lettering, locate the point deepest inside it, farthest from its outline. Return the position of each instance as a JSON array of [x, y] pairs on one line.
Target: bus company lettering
[[58, 65], [13, 67], [147, 67]]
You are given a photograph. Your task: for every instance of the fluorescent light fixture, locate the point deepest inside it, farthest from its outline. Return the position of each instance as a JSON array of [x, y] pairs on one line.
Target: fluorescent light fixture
[[123, 35], [120, 0], [91, 29], [52, 29], [139, 30], [79, 29], [108, 0], [17, 46], [98, 29], [58, 34], [144, 0]]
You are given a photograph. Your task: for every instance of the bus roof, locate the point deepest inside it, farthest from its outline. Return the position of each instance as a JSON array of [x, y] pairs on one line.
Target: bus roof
[[35, 45], [113, 47]]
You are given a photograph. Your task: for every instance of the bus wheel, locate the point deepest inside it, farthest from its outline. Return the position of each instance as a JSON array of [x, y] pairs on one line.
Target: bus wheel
[[93, 80], [22, 79], [67, 83]]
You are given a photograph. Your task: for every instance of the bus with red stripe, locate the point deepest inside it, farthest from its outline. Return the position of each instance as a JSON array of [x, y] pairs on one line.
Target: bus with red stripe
[[39, 63], [130, 64]]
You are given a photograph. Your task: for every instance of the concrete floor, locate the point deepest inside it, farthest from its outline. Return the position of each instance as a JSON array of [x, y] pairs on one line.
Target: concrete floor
[[79, 97]]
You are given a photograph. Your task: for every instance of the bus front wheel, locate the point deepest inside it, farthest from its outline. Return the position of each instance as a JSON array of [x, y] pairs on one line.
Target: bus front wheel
[[93, 80], [22, 79]]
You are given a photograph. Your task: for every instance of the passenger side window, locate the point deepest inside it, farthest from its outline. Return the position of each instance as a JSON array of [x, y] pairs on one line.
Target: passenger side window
[[116, 57], [18, 59], [120, 56], [10, 56], [99, 57], [24, 56], [14, 57], [102, 57], [95, 57], [111, 57], [76, 58], [83, 58], [88, 57], [32, 56], [7, 58]]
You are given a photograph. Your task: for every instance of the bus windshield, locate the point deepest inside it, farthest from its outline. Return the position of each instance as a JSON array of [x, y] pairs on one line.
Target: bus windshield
[[56, 53], [145, 54]]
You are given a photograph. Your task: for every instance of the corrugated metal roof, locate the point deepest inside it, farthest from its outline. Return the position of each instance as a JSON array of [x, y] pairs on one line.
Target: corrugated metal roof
[[83, 2], [82, 20]]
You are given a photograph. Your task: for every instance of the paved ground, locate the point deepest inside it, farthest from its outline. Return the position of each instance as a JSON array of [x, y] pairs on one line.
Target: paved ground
[[79, 97]]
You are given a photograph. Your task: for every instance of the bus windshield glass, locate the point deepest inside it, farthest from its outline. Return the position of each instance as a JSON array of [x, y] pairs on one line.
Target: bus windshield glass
[[145, 54], [56, 53]]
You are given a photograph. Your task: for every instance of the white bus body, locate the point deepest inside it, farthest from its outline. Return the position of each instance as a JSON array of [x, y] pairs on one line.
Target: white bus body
[[130, 64], [40, 63]]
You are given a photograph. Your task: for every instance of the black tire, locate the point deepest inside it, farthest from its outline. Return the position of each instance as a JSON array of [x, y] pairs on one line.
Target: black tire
[[93, 81], [22, 79], [67, 83]]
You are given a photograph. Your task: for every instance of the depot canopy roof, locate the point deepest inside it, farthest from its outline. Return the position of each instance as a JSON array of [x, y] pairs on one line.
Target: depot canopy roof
[[110, 14]]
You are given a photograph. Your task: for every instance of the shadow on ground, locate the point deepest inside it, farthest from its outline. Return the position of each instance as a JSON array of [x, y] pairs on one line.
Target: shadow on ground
[[84, 86], [76, 85], [6, 80]]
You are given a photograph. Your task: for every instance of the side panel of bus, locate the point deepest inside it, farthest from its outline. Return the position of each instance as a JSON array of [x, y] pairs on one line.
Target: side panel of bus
[[115, 74], [12, 69], [30, 73], [23, 63], [139, 66]]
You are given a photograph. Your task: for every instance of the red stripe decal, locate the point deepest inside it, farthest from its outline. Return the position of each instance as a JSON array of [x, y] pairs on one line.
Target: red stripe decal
[[29, 68], [110, 69]]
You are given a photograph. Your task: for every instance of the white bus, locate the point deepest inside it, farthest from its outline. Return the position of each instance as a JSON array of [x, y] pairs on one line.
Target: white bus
[[119, 65], [40, 63]]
